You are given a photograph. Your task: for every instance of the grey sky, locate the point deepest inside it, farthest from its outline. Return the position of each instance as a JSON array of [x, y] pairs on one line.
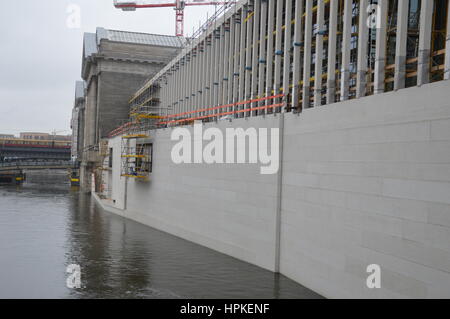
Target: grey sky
[[40, 57]]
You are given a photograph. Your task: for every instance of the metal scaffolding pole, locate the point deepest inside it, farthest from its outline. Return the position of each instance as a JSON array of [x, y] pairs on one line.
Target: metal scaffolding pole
[[401, 42], [426, 22], [287, 52], [346, 38], [307, 55], [320, 20], [332, 34], [380, 50], [363, 37]]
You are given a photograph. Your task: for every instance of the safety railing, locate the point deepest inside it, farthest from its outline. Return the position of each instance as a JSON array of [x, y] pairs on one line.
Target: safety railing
[[189, 116]]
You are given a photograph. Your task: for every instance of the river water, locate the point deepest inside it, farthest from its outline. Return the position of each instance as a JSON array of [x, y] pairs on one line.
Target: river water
[[46, 227]]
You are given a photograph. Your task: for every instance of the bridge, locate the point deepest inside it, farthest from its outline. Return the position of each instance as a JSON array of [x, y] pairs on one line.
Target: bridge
[[23, 148], [36, 164]]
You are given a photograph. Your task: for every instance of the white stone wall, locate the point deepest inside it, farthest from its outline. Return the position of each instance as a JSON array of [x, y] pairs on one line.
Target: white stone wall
[[229, 207], [364, 182], [368, 182]]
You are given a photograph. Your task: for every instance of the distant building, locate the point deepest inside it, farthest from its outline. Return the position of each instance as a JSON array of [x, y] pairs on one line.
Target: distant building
[[77, 123], [34, 136], [60, 137], [114, 65], [44, 136], [7, 136]]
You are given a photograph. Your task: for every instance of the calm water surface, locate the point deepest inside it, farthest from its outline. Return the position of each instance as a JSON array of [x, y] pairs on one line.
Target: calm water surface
[[46, 227]]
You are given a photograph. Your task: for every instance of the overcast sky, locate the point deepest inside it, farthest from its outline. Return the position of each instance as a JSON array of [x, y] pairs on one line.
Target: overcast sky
[[40, 55]]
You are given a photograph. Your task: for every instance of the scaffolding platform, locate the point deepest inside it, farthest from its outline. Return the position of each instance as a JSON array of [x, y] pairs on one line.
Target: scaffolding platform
[[136, 157]]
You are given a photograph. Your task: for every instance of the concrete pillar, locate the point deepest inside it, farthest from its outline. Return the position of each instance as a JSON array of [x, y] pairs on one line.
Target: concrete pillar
[[287, 51], [212, 71], [278, 50], [363, 37], [190, 81], [226, 63], [320, 20], [307, 54], [400, 47], [380, 50], [216, 67], [332, 32], [176, 98], [298, 36], [91, 106], [236, 57], [195, 69], [426, 22], [346, 38], [262, 53], [242, 51], [249, 56], [255, 57], [184, 83], [231, 61], [270, 52], [220, 67], [207, 87], [202, 87]]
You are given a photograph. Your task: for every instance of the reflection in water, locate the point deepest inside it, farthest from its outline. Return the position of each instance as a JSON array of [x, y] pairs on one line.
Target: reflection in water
[[45, 227]]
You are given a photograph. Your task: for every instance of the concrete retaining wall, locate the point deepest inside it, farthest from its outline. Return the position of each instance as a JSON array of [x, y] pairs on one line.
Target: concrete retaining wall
[[363, 182]]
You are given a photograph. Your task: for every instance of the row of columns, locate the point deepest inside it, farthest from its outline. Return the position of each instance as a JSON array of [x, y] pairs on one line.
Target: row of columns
[[247, 54]]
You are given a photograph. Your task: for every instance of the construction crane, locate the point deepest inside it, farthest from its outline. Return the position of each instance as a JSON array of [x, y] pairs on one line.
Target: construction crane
[[178, 5]]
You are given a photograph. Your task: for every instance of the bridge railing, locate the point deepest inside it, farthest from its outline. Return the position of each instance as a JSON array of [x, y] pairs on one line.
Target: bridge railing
[[39, 163]]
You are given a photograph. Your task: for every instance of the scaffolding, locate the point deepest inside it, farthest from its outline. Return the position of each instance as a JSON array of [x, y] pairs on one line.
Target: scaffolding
[[315, 52], [136, 156]]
